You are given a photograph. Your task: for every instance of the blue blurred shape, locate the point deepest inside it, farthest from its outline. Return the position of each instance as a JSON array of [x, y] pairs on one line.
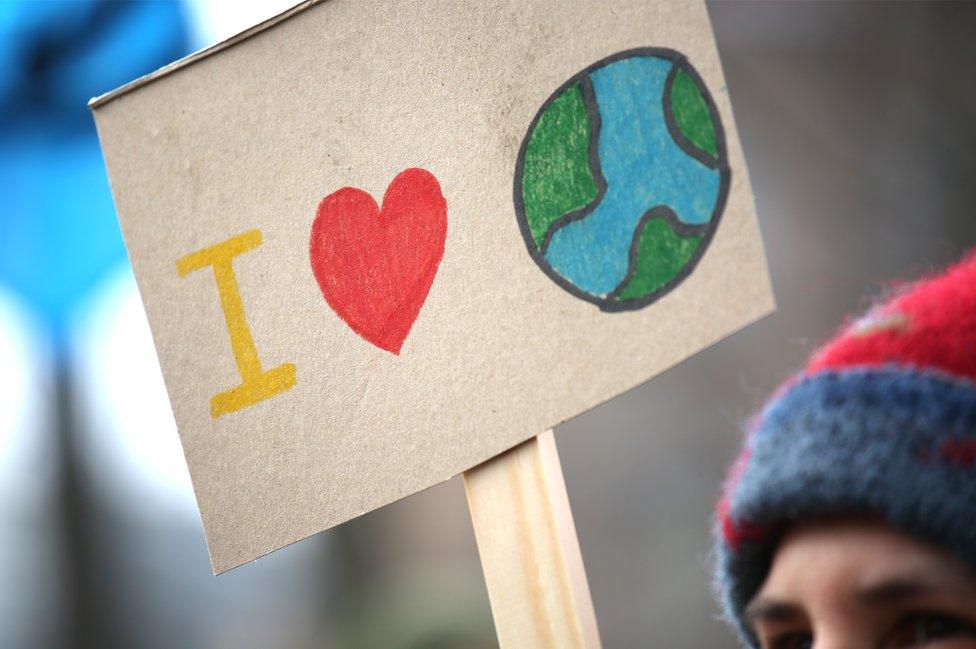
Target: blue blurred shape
[[58, 232]]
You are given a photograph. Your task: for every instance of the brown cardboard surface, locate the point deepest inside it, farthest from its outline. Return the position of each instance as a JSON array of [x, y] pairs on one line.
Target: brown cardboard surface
[[349, 94]]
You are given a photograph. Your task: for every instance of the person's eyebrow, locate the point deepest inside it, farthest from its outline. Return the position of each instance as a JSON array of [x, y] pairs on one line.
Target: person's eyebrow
[[771, 610], [898, 590]]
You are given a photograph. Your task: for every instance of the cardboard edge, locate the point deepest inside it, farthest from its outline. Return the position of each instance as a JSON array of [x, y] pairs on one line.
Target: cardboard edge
[[199, 55]]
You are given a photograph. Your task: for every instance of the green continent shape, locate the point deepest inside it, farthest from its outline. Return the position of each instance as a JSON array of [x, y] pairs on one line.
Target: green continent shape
[[556, 176], [661, 254], [691, 113]]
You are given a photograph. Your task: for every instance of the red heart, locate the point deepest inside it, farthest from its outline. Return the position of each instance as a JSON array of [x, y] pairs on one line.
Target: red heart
[[375, 265]]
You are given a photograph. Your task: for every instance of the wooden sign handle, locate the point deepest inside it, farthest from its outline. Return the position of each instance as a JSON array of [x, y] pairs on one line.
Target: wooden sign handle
[[529, 551]]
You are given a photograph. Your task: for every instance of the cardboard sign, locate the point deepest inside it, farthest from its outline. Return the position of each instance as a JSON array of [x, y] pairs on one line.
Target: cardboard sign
[[380, 243]]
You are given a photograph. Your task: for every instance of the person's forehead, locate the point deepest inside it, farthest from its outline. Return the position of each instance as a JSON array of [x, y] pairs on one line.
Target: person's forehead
[[848, 558]]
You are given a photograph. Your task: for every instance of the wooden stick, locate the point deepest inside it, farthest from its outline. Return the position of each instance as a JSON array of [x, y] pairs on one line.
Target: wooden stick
[[529, 551]]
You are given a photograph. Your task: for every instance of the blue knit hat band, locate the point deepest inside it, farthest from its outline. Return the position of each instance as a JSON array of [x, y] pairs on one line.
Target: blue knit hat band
[[889, 442]]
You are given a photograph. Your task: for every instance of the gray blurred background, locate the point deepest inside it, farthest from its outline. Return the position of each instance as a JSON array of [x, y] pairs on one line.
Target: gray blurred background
[[858, 125]]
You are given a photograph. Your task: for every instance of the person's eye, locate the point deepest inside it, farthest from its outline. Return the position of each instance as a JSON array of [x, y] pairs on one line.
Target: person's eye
[[791, 641], [923, 629]]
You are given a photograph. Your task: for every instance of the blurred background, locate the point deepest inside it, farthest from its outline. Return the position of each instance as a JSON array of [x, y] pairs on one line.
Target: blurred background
[[858, 124]]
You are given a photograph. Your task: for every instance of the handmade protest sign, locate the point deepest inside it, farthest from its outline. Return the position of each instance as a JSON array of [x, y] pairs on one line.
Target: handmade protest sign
[[381, 243]]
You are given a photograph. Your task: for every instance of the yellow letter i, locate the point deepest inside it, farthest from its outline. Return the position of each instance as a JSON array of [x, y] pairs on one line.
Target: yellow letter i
[[256, 384]]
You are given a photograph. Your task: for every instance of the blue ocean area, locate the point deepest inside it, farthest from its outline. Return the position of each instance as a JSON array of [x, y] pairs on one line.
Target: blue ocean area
[[643, 168]]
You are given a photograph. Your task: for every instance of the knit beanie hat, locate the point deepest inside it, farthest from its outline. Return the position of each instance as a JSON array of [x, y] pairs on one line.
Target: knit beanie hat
[[881, 423]]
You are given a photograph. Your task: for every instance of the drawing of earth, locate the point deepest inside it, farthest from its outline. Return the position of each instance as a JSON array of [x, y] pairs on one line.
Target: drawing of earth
[[622, 178]]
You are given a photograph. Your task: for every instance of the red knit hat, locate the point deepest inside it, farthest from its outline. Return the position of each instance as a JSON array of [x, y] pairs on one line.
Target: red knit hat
[[881, 423]]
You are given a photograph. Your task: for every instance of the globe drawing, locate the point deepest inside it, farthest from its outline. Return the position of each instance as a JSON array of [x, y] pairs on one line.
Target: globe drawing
[[622, 178]]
